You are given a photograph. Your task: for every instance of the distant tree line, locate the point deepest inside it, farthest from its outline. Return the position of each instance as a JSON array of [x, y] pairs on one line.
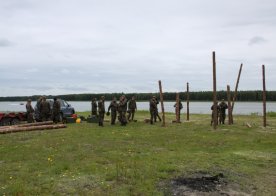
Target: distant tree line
[[168, 96]]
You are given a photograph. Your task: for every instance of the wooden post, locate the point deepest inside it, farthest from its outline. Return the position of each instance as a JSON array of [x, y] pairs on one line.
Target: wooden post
[[177, 108], [264, 98], [215, 119], [230, 118], [188, 102], [236, 88], [162, 104]]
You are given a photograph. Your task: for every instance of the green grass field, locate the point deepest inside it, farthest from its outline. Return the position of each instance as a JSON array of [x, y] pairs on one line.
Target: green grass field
[[139, 159]]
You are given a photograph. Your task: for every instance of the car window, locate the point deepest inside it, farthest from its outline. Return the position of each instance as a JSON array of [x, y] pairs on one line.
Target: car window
[[61, 103]]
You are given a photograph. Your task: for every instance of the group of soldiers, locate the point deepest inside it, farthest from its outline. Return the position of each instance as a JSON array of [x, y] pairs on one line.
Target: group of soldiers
[[121, 108], [44, 111], [124, 109], [221, 108]]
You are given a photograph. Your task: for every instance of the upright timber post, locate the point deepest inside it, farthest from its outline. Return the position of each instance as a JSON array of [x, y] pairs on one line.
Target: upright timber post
[[230, 117], [215, 109], [188, 102], [177, 108], [162, 104], [236, 88], [264, 98]]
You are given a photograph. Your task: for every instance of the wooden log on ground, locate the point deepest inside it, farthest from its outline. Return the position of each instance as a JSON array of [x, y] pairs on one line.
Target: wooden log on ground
[[28, 124], [33, 128]]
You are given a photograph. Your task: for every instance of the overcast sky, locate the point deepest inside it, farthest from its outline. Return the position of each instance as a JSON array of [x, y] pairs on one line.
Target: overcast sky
[[58, 47]]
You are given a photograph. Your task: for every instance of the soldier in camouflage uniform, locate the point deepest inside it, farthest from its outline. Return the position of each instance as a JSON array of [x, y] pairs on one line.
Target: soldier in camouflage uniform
[[30, 111], [222, 107], [122, 109], [38, 108], [56, 111], [156, 115], [94, 107], [179, 109], [101, 110], [45, 110], [113, 107], [132, 107], [212, 108], [153, 109]]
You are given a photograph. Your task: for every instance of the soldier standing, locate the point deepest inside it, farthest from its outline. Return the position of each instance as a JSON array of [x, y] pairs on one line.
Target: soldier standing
[[56, 110], [156, 111], [45, 110], [30, 111], [180, 106], [122, 109], [113, 107], [101, 110], [94, 107], [212, 108], [222, 106], [132, 107], [37, 112], [153, 109]]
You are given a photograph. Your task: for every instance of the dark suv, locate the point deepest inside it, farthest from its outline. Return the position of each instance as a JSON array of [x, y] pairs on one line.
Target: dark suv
[[66, 110]]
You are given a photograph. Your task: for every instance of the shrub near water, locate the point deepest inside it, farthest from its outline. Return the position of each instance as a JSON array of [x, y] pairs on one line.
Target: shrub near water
[[139, 159]]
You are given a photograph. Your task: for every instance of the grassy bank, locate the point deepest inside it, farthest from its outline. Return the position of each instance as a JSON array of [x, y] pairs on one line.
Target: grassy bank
[[139, 159]]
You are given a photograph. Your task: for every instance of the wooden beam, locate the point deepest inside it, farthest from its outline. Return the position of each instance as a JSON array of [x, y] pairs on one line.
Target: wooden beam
[[177, 108], [215, 119], [162, 104], [264, 98], [236, 88], [230, 118], [188, 102]]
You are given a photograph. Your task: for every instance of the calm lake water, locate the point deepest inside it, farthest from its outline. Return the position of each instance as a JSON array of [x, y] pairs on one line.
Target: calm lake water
[[195, 107]]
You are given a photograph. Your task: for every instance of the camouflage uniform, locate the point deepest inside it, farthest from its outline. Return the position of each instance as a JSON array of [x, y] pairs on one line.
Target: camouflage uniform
[[94, 107], [222, 107], [56, 111], [30, 112], [156, 115], [113, 107], [179, 109], [45, 110], [122, 109], [153, 109], [38, 108], [101, 110], [132, 107], [212, 108]]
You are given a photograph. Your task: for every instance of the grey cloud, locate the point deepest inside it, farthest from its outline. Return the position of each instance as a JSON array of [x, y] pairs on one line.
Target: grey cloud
[[256, 40], [5, 43]]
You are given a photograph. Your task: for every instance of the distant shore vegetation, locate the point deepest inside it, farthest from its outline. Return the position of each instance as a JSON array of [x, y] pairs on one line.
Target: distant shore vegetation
[[168, 96]]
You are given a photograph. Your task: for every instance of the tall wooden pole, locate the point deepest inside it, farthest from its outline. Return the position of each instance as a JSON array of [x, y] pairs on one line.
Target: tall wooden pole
[[264, 98], [188, 102], [215, 119], [162, 104], [177, 108], [236, 88], [230, 117]]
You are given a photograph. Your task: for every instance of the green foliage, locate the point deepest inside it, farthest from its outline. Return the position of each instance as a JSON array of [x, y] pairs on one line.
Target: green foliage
[[85, 159], [168, 96]]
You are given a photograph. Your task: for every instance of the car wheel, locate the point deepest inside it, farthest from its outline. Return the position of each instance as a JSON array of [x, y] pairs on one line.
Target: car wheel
[[15, 121], [6, 121]]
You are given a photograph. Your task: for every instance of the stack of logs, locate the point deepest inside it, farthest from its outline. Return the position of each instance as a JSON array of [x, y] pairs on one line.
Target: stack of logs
[[31, 127]]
